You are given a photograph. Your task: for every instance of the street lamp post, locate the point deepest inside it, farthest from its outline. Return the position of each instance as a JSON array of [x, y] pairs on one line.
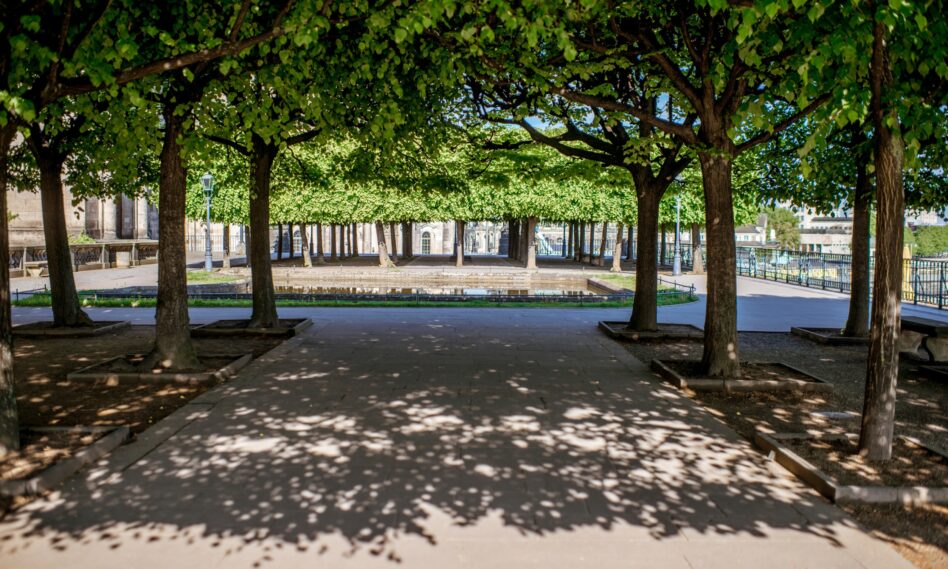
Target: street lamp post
[[676, 263], [208, 182]]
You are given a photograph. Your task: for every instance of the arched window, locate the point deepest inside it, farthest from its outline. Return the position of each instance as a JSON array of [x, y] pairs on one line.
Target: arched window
[[426, 243]]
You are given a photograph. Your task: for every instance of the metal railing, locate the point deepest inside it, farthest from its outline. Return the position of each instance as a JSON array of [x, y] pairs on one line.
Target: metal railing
[[24, 258], [924, 281]]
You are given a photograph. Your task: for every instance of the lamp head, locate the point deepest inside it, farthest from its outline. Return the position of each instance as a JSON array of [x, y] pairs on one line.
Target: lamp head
[[207, 181]]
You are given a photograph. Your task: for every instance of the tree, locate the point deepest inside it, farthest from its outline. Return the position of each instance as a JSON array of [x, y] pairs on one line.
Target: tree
[[931, 240], [49, 51], [785, 226]]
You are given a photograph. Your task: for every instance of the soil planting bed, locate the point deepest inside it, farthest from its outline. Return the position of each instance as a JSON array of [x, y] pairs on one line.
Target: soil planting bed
[[831, 464], [127, 369], [831, 336], [620, 331], [921, 413], [46, 329], [287, 327], [49, 455], [685, 374], [45, 397]]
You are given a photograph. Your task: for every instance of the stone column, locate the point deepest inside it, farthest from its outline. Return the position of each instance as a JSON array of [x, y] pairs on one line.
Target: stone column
[[109, 219]]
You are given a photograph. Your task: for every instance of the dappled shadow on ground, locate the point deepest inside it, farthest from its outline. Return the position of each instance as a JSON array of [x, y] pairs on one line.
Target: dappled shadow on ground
[[370, 440]]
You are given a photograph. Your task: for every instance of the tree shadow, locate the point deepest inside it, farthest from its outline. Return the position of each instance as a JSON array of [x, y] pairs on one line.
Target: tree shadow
[[368, 436]]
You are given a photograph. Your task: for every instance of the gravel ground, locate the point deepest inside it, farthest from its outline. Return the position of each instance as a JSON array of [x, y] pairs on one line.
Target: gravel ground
[[921, 533]]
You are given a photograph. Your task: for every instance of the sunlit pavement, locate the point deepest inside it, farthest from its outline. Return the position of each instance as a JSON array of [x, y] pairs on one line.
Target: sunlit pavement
[[439, 438]]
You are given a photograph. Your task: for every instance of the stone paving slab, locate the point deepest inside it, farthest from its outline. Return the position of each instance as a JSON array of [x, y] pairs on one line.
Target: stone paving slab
[[317, 455]]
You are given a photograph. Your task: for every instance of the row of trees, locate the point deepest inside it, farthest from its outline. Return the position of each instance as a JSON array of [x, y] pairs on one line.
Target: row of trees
[[650, 90]]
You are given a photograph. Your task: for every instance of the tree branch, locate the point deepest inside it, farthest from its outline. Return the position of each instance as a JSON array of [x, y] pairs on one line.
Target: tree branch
[[782, 125], [682, 131]]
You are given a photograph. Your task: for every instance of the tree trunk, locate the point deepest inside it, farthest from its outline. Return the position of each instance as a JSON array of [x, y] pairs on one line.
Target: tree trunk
[[592, 240], [355, 240], [394, 232], [878, 414], [264, 313], [662, 258], [531, 262], [407, 241], [645, 302], [289, 238], [513, 245], [578, 251], [247, 241], [697, 261], [601, 261], [617, 251], [279, 241], [857, 322], [459, 243], [9, 423], [332, 241], [720, 358], [67, 310], [173, 348], [630, 245], [304, 247], [384, 260], [225, 262], [320, 254], [568, 246]]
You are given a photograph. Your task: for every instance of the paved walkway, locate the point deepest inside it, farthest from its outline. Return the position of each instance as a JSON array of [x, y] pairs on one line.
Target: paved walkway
[[441, 439], [768, 306]]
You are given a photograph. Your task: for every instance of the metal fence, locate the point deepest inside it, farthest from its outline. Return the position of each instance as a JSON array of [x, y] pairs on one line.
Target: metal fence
[[924, 281]]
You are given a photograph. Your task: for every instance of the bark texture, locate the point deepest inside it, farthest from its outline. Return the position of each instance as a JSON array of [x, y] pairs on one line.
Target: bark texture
[[320, 254], [601, 259], [531, 262], [617, 251], [67, 310], [279, 241], [173, 348], [9, 422], [304, 247], [645, 302], [394, 250], [384, 260], [878, 414], [459, 243], [225, 261], [857, 322], [720, 358], [264, 314], [697, 261]]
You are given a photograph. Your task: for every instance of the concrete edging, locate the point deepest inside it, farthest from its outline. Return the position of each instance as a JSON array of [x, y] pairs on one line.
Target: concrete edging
[[115, 378], [817, 385], [54, 475], [817, 335], [213, 329], [24, 330], [843, 494], [617, 330]]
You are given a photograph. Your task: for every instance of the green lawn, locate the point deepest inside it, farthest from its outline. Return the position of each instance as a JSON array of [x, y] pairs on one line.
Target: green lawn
[[204, 277], [625, 281], [44, 300]]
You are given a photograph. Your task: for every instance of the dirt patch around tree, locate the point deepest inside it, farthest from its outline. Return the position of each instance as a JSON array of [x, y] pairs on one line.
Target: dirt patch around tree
[[920, 533], [911, 465], [46, 398], [40, 450]]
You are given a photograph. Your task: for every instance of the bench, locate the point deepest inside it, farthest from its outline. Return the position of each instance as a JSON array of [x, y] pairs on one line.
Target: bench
[[926, 334]]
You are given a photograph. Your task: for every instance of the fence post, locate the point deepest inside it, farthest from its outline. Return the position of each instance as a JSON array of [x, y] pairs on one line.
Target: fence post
[[913, 265], [941, 289]]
